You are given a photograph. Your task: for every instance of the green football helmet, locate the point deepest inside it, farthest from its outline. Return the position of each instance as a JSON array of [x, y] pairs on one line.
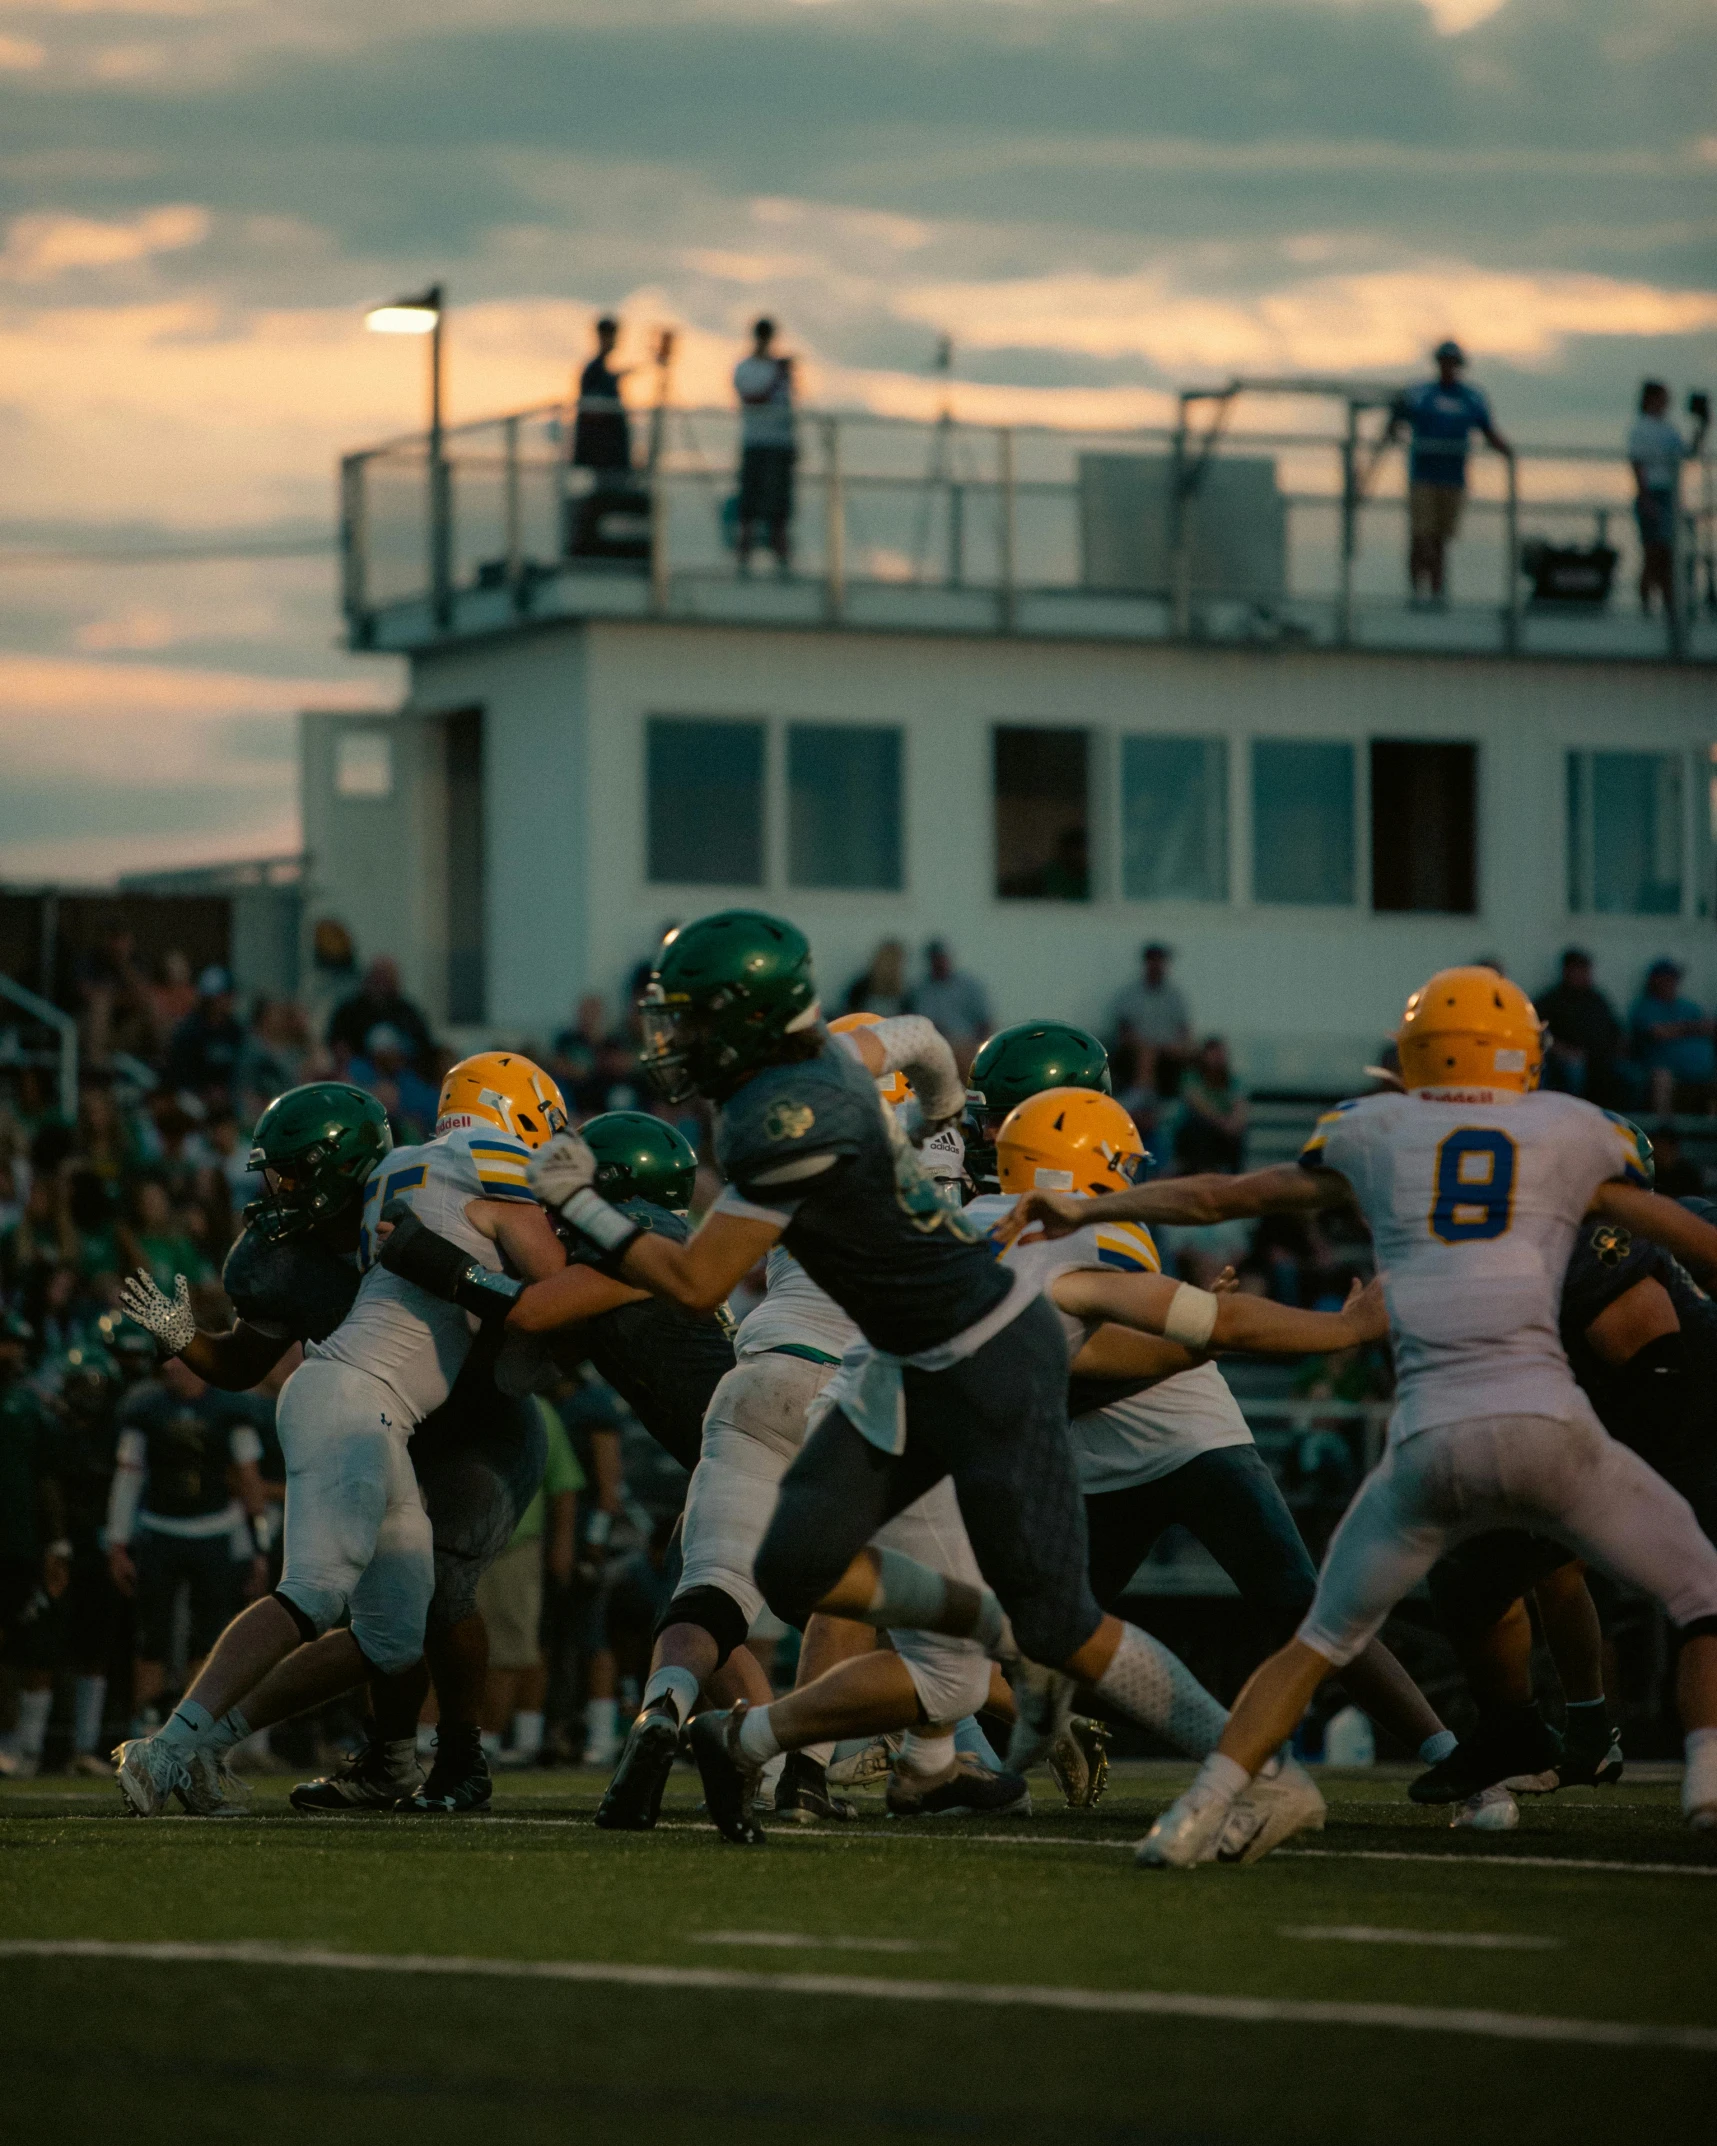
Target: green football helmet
[[725, 994], [1019, 1062], [640, 1158], [1644, 1154], [315, 1147]]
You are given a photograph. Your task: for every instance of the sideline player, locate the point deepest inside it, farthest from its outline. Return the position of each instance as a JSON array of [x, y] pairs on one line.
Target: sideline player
[[1473, 1187], [357, 1536]]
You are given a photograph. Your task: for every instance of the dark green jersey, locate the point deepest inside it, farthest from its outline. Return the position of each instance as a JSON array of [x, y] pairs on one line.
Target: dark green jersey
[[662, 1360], [25, 1453], [810, 1146], [186, 1448], [295, 1289]]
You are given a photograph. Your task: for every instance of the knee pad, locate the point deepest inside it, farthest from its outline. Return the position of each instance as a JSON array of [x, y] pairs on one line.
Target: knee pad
[[951, 1680], [308, 1628], [711, 1611], [455, 1593], [1700, 1628]]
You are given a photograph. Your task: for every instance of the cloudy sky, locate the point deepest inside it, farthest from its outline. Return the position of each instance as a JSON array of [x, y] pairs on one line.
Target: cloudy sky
[[1099, 199]]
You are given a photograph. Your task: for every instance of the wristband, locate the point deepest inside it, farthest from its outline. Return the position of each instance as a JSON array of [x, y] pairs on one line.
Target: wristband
[[612, 1232], [1191, 1317]]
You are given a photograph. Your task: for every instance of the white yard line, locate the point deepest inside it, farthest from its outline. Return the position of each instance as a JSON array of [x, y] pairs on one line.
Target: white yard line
[[1358, 1933], [798, 1941], [1151, 2004]]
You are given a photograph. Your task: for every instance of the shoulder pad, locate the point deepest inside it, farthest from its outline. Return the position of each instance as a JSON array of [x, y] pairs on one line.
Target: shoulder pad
[[495, 1159], [298, 1285], [1128, 1246], [794, 1111], [1606, 1262]]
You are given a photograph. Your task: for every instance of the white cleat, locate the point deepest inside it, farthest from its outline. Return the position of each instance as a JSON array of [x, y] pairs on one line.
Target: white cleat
[[1279, 1802], [149, 1773], [1185, 1834], [1492, 1810], [1043, 1704], [1703, 1818], [864, 1765], [212, 1789]]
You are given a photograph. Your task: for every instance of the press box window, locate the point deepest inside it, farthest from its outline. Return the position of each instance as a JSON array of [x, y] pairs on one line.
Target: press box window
[[1423, 810], [1302, 822], [1042, 803], [1625, 833], [843, 806], [1174, 819], [363, 764], [705, 784]]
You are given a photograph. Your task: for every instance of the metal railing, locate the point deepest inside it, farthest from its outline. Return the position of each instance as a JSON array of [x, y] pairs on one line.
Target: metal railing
[[14, 1052], [1181, 533]]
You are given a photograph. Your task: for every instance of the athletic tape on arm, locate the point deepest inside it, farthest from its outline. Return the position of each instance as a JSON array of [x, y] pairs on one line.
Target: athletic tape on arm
[[916, 1047], [1192, 1317]]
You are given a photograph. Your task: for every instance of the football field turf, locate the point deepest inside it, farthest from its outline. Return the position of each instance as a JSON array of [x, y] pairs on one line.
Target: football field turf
[[523, 1976]]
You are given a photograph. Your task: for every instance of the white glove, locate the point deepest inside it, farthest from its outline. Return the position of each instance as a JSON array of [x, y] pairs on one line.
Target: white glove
[[943, 1156], [560, 1168], [169, 1319]]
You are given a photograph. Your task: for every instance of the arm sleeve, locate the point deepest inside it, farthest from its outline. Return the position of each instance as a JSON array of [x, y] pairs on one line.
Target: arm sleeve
[[244, 1445], [914, 1046], [126, 1489]]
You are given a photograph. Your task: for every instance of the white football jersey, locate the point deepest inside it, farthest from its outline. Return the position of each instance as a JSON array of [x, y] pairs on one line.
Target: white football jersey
[[795, 1314], [413, 1342], [1473, 1197], [1148, 1434]]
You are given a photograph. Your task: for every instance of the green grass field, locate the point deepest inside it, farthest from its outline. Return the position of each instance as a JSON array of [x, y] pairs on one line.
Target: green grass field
[[947, 1980]]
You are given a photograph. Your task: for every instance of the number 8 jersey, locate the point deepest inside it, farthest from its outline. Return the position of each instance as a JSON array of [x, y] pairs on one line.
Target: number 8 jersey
[[1473, 1197]]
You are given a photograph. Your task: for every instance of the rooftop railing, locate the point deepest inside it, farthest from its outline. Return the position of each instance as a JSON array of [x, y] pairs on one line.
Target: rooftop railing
[[1195, 533]]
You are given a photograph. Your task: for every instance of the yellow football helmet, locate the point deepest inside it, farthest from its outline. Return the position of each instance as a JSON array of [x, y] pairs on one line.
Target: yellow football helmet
[[501, 1088], [1068, 1140], [892, 1086], [1470, 1028]]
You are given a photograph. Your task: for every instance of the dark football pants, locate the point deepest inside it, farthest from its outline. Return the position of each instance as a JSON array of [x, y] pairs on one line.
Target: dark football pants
[[202, 1564], [1230, 1501], [997, 1423], [475, 1489]]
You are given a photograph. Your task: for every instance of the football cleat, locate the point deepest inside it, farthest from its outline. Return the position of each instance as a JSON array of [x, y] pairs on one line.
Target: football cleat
[[1590, 1765], [1280, 1800], [1079, 1760], [1703, 1818], [1185, 1834], [1043, 1704], [802, 1793], [377, 1778], [458, 1780], [1524, 1751], [211, 1788], [633, 1799], [1492, 1810], [967, 1790], [149, 1772], [729, 1780], [865, 1765]]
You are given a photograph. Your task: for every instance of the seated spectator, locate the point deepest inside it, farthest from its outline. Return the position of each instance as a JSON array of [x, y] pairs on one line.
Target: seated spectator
[[1679, 1177], [153, 1235], [1585, 1038], [102, 1144], [276, 1052], [379, 998], [954, 1000], [1671, 1038], [385, 1069], [203, 1055], [333, 972], [92, 1208], [572, 1056], [168, 1137], [171, 997], [113, 998], [880, 988], [1152, 1023], [1211, 1134]]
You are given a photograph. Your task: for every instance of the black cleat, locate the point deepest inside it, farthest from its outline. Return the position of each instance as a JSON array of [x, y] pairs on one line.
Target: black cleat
[[968, 1790], [1594, 1762], [1079, 1760], [379, 1778], [1521, 1749], [459, 1779], [729, 1783], [633, 1798], [802, 1793]]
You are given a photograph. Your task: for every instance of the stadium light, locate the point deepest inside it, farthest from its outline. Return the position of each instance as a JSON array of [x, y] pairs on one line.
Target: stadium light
[[421, 315]]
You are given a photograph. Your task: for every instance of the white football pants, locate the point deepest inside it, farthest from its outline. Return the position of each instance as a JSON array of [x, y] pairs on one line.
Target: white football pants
[[357, 1536], [1567, 1478], [752, 1430]]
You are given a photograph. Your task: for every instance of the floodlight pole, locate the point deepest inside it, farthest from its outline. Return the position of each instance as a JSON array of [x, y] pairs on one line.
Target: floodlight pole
[[440, 488]]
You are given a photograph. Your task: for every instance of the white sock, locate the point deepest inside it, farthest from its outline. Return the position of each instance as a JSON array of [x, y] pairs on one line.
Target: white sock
[[757, 1740], [1149, 1685], [678, 1686], [971, 1742], [34, 1707], [1219, 1780], [1699, 1782], [818, 1754], [527, 1734], [601, 1720], [188, 1727], [426, 1739], [232, 1728], [89, 1699], [490, 1741], [927, 1752], [1437, 1748]]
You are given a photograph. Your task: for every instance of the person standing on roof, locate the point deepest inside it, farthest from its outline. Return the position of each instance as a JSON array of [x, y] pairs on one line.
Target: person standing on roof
[[1439, 414]]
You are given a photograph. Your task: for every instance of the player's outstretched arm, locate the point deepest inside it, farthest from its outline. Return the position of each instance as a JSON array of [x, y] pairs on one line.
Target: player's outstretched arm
[[1287, 1189], [1665, 1222], [1199, 1320]]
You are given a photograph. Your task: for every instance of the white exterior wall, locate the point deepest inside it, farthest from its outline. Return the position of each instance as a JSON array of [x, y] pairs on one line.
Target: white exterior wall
[[1303, 994]]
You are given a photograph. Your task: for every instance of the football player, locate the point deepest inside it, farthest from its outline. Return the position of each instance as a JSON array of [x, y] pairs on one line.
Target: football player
[[1474, 1186], [357, 1536], [1015, 1064], [1157, 1436], [964, 1369]]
